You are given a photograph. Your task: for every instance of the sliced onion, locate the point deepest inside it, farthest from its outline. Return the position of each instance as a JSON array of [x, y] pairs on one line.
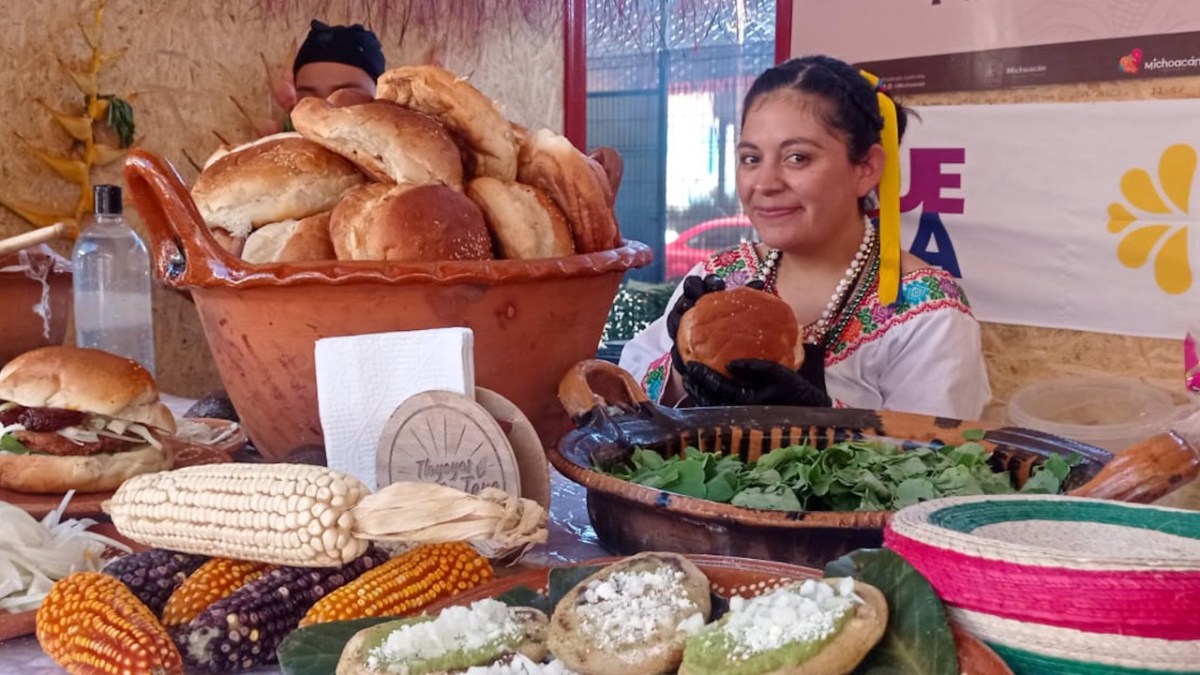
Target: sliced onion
[[35, 554]]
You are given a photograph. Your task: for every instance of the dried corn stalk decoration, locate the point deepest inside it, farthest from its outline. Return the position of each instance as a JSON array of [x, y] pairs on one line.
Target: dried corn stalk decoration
[[304, 515], [87, 150]]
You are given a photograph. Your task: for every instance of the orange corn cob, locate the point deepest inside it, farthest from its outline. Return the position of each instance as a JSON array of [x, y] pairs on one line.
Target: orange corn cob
[[405, 584], [215, 579], [90, 624]]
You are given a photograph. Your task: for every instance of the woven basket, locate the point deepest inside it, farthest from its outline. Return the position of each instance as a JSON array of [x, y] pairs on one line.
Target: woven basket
[[1063, 585]]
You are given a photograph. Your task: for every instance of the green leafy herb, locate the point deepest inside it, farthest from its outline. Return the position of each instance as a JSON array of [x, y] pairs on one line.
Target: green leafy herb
[[973, 434], [315, 650], [848, 476], [120, 119], [918, 638], [9, 443]]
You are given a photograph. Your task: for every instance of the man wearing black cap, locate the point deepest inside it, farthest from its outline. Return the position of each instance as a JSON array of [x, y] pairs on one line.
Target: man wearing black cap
[[337, 57]]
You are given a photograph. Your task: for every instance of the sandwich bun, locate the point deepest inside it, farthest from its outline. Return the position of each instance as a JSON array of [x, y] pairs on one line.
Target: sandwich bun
[[524, 221], [52, 474], [465, 110], [283, 178], [408, 223], [389, 143], [739, 323], [291, 241], [86, 381]]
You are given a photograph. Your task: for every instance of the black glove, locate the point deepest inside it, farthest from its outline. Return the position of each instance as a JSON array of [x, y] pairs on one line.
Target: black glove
[[759, 382], [693, 288]]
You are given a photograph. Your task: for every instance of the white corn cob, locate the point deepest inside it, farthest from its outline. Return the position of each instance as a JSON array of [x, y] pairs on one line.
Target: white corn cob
[[284, 514]]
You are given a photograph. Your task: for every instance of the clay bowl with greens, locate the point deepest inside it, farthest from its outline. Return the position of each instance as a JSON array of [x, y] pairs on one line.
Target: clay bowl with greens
[[806, 485]]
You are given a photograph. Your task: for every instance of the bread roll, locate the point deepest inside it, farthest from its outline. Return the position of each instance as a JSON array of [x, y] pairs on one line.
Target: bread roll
[[227, 241], [408, 223], [89, 380], [226, 149], [279, 179], [614, 168], [740, 323], [524, 221], [291, 241], [577, 184], [391, 144], [462, 108]]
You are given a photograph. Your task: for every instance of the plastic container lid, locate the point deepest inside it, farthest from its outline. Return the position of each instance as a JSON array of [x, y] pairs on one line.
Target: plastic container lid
[[1108, 412]]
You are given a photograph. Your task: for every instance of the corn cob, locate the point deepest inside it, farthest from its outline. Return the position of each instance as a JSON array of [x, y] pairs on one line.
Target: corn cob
[[244, 629], [90, 623], [285, 514], [212, 581], [154, 574], [405, 584]]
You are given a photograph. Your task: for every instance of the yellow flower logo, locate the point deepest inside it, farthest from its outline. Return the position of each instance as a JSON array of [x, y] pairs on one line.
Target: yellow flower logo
[[1168, 243]]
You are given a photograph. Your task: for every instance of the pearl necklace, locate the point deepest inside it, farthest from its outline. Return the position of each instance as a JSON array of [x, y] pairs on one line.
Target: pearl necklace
[[847, 282]]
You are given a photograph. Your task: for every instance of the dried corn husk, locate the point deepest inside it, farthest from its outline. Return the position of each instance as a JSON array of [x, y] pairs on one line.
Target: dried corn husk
[[496, 523]]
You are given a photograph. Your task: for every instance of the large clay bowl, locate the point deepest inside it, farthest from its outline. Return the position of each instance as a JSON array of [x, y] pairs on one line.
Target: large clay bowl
[[532, 320], [613, 417], [35, 314]]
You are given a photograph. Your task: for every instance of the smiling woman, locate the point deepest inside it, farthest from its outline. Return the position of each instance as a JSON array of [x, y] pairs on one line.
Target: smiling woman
[[818, 143]]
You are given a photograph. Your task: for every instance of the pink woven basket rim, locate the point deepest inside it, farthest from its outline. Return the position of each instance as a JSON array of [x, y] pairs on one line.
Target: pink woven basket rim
[[912, 522]]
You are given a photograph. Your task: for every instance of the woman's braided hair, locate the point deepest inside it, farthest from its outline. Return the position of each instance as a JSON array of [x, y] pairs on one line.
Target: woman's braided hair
[[853, 107]]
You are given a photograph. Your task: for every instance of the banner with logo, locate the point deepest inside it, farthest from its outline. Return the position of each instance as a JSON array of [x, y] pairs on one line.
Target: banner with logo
[[1071, 215], [951, 45]]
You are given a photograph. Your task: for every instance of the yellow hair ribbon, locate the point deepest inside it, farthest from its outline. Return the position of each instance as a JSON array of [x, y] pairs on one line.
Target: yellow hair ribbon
[[889, 197]]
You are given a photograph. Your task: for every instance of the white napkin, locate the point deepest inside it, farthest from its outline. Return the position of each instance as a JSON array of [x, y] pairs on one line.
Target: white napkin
[[362, 379]]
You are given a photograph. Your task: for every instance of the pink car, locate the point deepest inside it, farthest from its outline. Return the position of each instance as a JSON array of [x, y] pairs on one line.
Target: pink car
[[698, 242]]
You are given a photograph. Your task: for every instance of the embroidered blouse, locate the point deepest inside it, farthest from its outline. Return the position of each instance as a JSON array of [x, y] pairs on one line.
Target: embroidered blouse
[[922, 354]]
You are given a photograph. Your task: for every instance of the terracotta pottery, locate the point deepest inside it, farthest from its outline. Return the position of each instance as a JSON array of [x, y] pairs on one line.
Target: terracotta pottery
[[613, 416], [532, 319], [35, 315], [727, 576]]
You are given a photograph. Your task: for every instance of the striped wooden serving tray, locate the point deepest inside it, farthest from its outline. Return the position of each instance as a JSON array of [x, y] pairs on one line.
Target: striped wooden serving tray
[[1060, 584]]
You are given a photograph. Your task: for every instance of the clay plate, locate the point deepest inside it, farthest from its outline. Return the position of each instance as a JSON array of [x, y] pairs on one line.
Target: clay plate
[[729, 576], [24, 623]]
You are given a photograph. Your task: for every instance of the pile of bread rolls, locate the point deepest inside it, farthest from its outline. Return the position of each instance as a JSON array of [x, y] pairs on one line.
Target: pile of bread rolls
[[430, 170]]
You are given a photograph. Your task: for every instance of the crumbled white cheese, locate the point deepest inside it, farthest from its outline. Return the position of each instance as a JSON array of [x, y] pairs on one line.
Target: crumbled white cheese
[[787, 615], [456, 629], [629, 607], [519, 664], [691, 625]]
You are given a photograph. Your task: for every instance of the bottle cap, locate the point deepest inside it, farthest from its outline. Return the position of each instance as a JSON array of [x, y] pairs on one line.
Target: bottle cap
[[107, 200]]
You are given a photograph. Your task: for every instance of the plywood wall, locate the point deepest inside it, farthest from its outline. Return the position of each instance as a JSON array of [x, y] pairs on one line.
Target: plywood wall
[[185, 65], [1018, 355]]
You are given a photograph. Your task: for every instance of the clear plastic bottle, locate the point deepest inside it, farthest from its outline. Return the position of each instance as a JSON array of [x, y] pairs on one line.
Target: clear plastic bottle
[[112, 283]]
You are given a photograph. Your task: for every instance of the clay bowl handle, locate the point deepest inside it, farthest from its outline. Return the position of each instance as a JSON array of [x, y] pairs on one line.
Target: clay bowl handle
[[184, 252], [594, 383], [1150, 469]]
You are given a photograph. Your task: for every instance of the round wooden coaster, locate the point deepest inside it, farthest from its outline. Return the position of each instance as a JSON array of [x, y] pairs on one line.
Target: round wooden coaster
[[446, 438], [526, 446]]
